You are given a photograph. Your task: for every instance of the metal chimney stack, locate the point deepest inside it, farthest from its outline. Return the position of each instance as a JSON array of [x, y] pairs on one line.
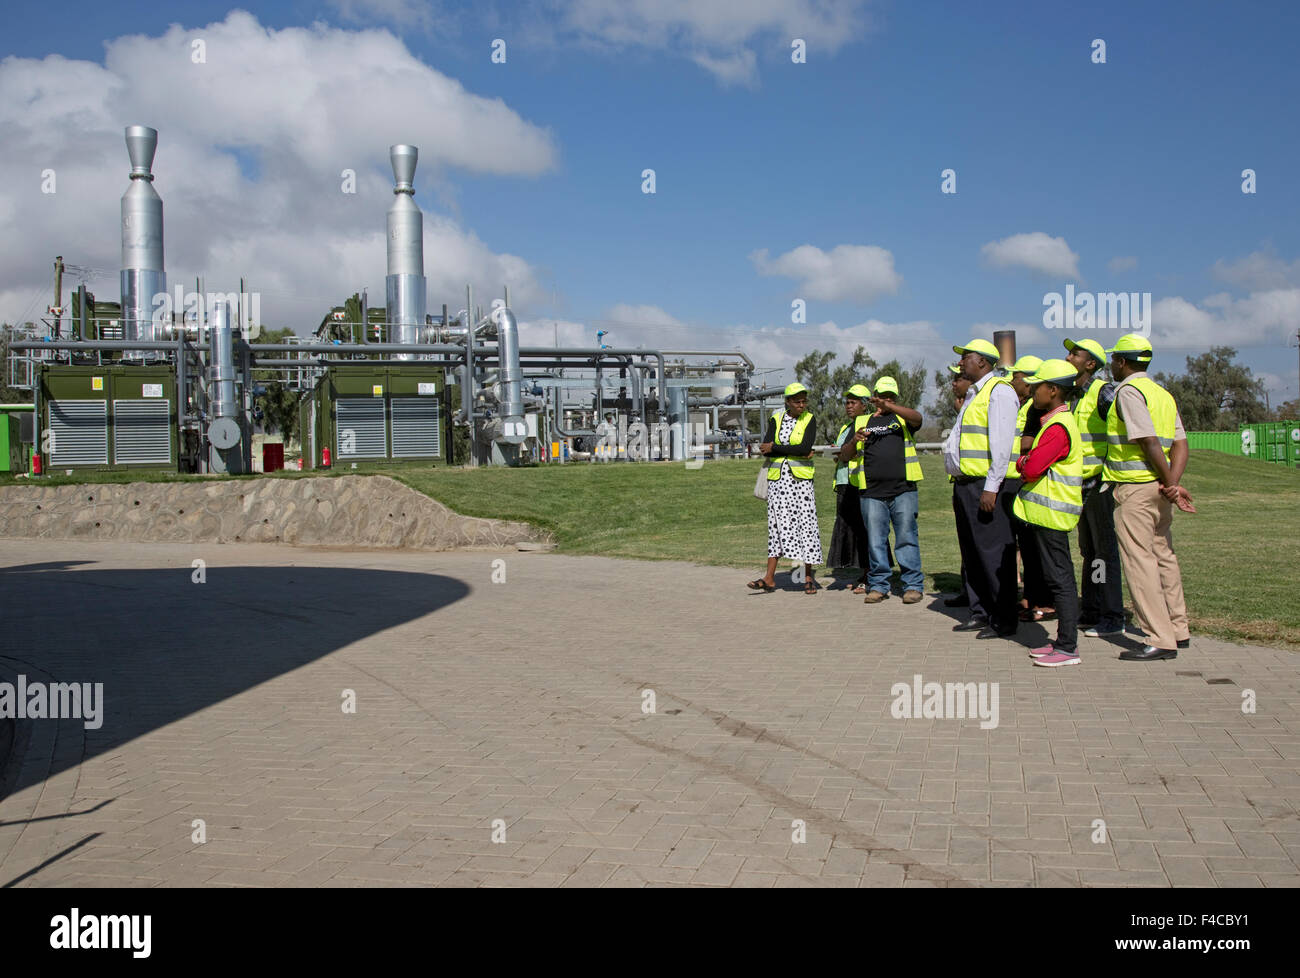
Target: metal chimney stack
[[406, 287], [143, 274]]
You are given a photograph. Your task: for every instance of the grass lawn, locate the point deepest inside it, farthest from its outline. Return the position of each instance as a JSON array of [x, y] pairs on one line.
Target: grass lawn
[[1239, 554]]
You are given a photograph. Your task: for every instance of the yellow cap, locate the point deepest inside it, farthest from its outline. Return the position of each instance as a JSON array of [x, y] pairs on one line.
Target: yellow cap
[[1060, 372], [1133, 347], [860, 391], [982, 347], [795, 388], [1091, 347], [954, 368], [1026, 364], [887, 383]]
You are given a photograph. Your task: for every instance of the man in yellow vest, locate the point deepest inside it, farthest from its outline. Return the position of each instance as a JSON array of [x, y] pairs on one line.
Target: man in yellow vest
[[1050, 501], [892, 470], [849, 535], [960, 385], [1101, 610], [978, 454], [1146, 454]]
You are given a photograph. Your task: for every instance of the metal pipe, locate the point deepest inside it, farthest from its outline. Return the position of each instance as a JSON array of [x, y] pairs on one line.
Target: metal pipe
[[710, 353], [223, 363], [467, 391], [143, 274], [406, 286], [514, 429]]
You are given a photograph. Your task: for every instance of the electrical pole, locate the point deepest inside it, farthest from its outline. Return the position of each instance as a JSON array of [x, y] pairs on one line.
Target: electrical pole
[[58, 295]]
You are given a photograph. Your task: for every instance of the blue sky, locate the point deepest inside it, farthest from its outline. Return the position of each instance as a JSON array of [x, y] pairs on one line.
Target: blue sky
[[1138, 159]]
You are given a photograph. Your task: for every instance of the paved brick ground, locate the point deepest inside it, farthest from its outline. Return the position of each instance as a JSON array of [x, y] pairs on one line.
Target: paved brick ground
[[522, 701]]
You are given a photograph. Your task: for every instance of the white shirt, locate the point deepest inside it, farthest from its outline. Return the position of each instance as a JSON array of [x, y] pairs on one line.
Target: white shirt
[[1003, 408]]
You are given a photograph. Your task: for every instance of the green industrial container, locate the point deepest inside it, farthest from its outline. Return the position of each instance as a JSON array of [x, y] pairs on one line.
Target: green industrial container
[[367, 413], [1272, 441], [118, 416], [1228, 442], [14, 453]]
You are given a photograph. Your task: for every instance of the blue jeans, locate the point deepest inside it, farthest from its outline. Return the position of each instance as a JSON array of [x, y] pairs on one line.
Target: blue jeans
[[877, 514]]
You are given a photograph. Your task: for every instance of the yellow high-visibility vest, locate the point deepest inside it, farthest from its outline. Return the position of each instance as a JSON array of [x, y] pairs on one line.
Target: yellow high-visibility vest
[[1125, 460], [1092, 429], [1055, 499], [800, 468], [857, 469], [973, 450]]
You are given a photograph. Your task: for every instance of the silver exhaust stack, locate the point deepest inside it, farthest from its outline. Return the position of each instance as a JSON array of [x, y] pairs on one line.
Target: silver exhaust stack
[[143, 273], [514, 429], [225, 431], [406, 288]]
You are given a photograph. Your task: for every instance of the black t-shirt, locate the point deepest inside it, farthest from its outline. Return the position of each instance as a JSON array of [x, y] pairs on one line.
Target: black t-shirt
[[883, 458]]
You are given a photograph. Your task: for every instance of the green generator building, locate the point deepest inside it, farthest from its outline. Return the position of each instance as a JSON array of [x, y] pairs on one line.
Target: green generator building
[[107, 417], [373, 413]]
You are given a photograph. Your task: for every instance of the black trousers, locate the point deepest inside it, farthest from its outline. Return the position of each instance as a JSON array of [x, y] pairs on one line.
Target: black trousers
[[1102, 599], [988, 551], [1058, 575], [1036, 593]]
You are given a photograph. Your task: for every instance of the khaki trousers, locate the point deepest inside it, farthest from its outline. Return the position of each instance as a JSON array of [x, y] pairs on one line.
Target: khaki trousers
[[1146, 548]]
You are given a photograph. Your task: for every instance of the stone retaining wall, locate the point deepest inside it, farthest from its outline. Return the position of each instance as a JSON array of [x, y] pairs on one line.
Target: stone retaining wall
[[348, 511]]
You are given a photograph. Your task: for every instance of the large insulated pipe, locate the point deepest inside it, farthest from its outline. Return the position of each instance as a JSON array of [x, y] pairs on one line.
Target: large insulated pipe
[[513, 428], [224, 404], [143, 273], [406, 287]]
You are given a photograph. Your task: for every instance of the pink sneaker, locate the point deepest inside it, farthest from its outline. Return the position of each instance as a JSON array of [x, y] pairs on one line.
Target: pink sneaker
[[1039, 653], [1057, 659]]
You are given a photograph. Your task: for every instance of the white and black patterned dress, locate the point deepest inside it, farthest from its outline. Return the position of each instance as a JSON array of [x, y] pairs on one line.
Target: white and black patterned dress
[[792, 512]]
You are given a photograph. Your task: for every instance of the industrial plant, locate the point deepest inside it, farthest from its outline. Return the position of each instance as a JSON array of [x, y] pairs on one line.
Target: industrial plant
[[163, 383]]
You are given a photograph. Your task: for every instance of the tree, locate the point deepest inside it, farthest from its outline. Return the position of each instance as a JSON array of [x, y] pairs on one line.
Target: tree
[[1216, 394], [826, 386], [1287, 411], [279, 404]]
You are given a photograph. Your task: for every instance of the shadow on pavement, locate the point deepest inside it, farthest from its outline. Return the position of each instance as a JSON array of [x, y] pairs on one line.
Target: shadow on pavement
[[166, 647]]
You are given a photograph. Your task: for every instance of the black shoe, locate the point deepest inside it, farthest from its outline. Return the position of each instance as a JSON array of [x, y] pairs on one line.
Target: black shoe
[[1184, 643], [991, 632], [960, 601], [974, 625], [1148, 653]]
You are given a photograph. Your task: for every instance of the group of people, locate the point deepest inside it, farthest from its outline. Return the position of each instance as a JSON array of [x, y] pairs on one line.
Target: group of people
[[1038, 449]]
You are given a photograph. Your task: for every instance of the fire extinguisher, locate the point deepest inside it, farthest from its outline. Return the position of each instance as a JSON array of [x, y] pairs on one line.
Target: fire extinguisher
[[36, 463], [325, 458]]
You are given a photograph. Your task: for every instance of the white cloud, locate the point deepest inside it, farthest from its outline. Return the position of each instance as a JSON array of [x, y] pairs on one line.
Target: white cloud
[[1122, 264], [415, 13], [631, 315], [251, 184], [1036, 251], [858, 272], [718, 35], [1258, 270], [1261, 319]]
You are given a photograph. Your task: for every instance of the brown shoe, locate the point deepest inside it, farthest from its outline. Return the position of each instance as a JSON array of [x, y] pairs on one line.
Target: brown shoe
[[912, 597], [873, 597]]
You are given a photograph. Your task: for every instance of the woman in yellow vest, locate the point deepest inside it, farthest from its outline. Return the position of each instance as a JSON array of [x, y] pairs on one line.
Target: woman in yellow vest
[[792, 530], [1050, 500]]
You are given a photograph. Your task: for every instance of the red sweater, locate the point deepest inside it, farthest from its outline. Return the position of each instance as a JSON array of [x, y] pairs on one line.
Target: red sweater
[[1053, 445]]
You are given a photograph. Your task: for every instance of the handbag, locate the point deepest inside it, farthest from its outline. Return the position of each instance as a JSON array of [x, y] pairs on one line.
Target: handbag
[[760, 487]]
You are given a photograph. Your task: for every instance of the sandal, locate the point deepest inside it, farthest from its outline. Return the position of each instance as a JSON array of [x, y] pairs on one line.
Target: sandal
[[810, 586], [1037, 614], [760, 585], [860, 587]]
